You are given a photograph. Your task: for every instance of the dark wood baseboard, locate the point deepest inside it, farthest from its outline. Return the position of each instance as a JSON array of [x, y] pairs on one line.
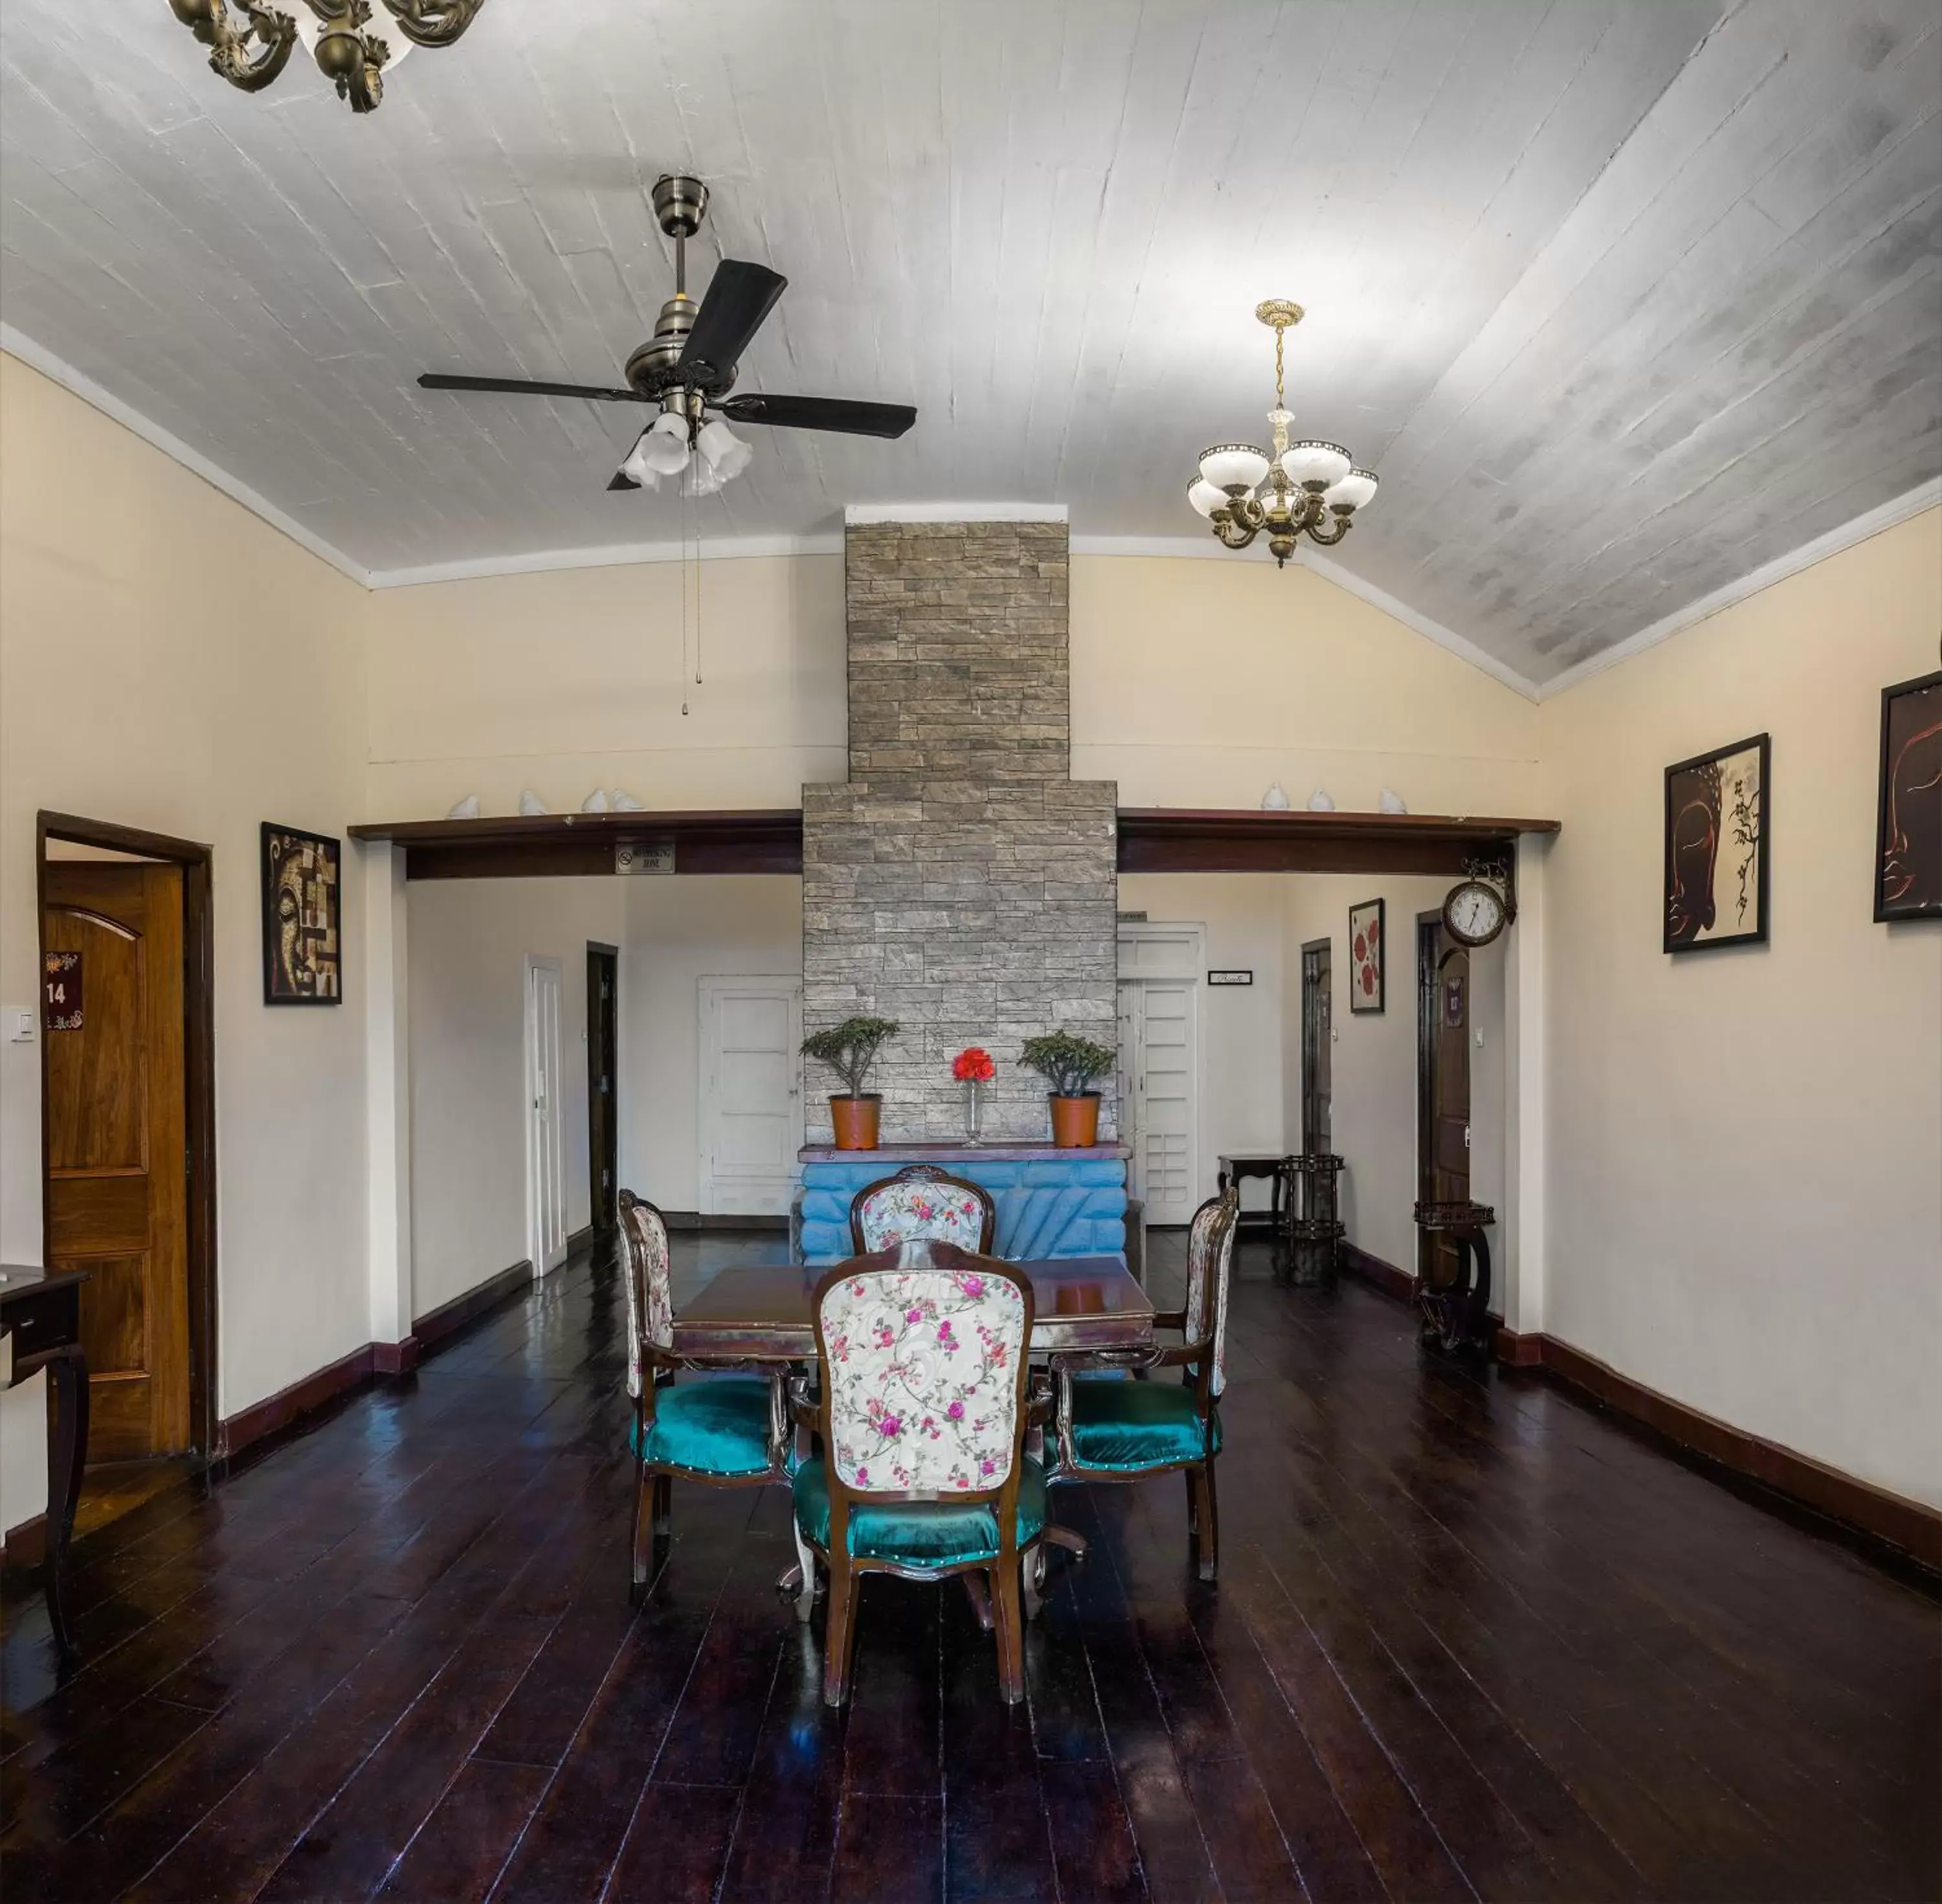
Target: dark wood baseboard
[[26, 1545], [436, 1326], [579, 1239], [692, 1219], [1891, 1519], [274, 1413], [394, 1357]]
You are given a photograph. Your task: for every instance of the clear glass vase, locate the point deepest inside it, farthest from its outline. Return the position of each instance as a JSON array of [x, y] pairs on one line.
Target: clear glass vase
[[973, 1113]]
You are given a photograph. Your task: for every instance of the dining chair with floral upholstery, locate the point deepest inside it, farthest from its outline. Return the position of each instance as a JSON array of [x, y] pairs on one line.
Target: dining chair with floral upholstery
[[923, 1201], [1127, 1431], [922, 1410], [725, 1430]]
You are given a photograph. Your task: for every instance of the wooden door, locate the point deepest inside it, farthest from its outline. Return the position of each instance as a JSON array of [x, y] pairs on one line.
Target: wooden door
[[546, 1142], [1317, 1048], [751, 1125], [1443, 1045], [117, 1151], [602, 1086]]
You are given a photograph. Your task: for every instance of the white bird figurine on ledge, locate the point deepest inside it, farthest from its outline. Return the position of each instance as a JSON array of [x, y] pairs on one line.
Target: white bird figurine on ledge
[[531, 804], [468, 809]]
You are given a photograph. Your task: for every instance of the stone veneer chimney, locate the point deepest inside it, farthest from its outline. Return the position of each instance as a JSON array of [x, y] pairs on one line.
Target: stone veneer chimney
[[960, 881]]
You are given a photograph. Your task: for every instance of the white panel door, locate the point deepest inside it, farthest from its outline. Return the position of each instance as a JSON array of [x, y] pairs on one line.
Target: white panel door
[[1127, 1081], [1167, 1117], [546, 1129], [751, 1122]]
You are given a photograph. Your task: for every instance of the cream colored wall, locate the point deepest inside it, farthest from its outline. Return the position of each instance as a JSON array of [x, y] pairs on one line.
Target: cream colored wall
[[1197, 683], [565, 680], [468, 942], [168, 661], [678, 932], [1373, 1107], [1745, 1186]]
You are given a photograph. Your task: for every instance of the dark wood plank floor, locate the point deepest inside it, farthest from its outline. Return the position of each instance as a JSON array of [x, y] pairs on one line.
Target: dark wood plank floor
[[1470, 1639]]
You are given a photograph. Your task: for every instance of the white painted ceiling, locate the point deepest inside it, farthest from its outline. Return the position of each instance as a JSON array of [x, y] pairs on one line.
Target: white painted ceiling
[[1622, 300]]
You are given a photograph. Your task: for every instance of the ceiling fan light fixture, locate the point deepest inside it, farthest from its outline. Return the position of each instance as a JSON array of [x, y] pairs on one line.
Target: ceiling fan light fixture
[[725, 452], [663, 445], [637, 470]]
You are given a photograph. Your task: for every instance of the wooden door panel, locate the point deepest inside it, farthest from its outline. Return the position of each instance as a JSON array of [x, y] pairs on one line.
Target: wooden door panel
[[115, 1111], [97, 1077]]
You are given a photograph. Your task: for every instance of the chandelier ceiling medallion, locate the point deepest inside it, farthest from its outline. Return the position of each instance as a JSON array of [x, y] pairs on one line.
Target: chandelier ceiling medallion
[[1309, 488], [251, 49]]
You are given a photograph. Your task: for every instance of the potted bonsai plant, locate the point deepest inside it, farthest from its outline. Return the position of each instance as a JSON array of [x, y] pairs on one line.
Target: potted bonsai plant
[[849, 1049], [1069, 1064]]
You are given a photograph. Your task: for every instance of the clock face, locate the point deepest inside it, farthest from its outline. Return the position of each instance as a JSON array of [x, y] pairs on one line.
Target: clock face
[[1474, 913]]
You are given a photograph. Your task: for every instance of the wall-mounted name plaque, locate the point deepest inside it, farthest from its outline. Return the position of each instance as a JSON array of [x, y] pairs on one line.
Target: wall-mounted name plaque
[[1230, 978], [62, 991], [644, 856]]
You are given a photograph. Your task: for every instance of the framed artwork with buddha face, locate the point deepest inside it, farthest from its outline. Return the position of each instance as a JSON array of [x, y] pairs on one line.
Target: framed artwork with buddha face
[[1908, 821], [1716, 824]]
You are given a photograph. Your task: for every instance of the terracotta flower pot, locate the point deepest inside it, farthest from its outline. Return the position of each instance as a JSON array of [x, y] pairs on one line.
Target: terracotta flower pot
[[855, 1121], [1075, 1122]]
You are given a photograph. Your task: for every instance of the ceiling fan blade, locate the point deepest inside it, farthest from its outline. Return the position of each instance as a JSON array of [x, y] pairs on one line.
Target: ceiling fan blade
[[739, 296], [621, 480], [837, 413], [525, 387]]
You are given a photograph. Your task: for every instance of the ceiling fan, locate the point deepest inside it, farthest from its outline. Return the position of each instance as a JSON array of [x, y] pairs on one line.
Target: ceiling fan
[[689, 366]]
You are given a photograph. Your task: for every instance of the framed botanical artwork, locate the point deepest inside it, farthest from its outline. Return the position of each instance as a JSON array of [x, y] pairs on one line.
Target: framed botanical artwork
[[303, 917], [1717, 825], [1908, 813], [1367, 951]]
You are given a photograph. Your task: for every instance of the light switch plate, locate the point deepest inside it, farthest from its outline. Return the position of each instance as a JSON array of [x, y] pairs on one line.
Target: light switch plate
[[19, 1025]]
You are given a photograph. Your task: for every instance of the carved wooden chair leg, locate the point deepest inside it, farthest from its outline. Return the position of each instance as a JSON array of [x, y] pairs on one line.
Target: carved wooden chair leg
[[643, 1524], [1005, 1589], [1193, 1503], [980, 1597], [1209, 1529], [663, 1507], [839, 1635], [1032, 1569], [1068, 1538]]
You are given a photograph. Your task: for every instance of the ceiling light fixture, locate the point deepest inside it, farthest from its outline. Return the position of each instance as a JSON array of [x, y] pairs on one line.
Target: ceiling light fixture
[[1309, 488], [251, 54]]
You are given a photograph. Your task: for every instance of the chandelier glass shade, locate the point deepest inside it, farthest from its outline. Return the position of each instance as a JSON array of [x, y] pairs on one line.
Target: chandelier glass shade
[[250, 41], [1308, 487]]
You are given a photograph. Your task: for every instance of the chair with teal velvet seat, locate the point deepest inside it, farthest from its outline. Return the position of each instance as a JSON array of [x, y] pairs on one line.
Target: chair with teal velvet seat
[[726, 1431], [922, 1200], [1127, 1431], [921, 1354]]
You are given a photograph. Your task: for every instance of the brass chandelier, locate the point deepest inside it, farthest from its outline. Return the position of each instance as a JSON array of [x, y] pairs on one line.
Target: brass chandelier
[[250, 50], [1309, 488]]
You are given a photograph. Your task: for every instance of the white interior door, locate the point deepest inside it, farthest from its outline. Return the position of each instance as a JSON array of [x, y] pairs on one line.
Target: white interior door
[[545, 1131], [1160, 967], [751, 1093]]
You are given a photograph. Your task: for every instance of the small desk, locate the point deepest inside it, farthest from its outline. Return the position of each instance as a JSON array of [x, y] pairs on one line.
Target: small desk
[[760, 1312], [1273, 1164], [42, 1312]]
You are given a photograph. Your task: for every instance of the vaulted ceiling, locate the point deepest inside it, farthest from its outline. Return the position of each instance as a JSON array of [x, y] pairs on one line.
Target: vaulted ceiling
[[1621, 302]]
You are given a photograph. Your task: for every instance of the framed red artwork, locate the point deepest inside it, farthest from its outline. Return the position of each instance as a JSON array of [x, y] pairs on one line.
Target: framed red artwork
[[1368, 942]]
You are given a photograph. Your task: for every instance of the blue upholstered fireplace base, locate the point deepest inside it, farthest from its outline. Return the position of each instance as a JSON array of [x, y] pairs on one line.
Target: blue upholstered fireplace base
[[1049, 1205]]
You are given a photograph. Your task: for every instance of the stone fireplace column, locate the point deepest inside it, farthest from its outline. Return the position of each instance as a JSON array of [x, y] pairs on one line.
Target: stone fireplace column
[[959, 881]]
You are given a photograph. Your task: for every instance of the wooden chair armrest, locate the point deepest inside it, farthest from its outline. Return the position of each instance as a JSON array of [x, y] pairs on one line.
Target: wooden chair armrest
[[1042, 1402], [1171, 1319], [804, 1410]]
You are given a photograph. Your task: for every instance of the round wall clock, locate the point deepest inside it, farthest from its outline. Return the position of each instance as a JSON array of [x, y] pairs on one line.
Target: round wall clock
[[1474, 912]]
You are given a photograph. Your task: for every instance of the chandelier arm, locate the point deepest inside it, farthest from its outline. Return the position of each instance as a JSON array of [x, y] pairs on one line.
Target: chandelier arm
[[432, 22], [1234, 534], [1329, 541], [230, 57]]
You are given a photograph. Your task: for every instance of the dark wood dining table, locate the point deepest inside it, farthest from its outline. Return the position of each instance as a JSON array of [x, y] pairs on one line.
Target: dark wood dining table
[[761, 1311]]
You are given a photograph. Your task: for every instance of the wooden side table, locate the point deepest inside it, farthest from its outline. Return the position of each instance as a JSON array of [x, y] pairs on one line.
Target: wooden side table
[[42, 1312], [1271, 1164], [1456, 1314]]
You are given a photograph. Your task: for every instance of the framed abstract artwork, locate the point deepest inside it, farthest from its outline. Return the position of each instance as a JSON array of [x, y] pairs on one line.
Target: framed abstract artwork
[[1716, 824], [303, 917], [1367, 951], [1908, 811]]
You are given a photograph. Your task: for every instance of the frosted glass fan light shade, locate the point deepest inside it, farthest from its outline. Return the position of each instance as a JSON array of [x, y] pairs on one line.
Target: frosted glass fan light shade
[[636, 468], [1355, 489], [664, 449], [1205, 497], [1314, 462], [1228, 465], [728, 455]]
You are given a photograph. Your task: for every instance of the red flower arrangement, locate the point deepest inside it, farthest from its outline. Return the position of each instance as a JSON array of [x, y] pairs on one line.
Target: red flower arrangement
[[973, 1065]]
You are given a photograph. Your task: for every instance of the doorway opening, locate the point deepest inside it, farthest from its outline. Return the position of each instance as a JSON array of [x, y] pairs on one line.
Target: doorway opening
[[1443, 1015], [603, 1087], [1317, 1033], [128, 1131], [546, 1133]]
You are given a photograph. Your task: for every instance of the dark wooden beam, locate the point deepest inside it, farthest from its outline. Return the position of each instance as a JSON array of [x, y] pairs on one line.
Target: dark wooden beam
[[769, 840], [1178, 840], [759, 839]]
